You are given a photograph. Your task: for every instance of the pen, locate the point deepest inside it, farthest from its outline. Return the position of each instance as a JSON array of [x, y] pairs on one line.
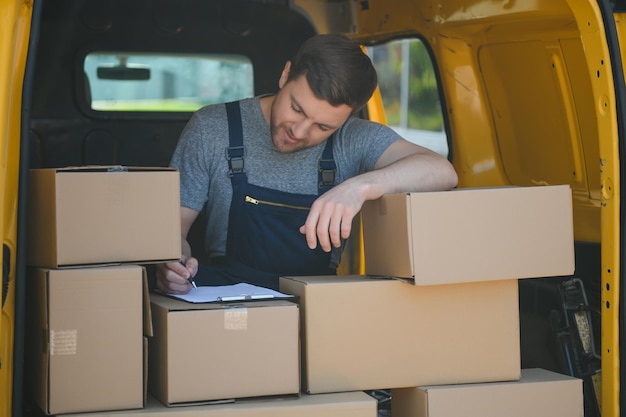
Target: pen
[[190, 279], [244, 297]]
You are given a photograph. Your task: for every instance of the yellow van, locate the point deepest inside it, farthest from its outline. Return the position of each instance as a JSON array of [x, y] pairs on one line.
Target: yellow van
[[523, 93]]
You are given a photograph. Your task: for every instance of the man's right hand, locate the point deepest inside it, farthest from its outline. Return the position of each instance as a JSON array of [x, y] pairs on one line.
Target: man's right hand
[[173, 277]]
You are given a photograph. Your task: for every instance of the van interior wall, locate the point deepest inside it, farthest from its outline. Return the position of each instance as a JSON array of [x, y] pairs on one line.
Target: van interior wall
[[510, 128], [64, 129]]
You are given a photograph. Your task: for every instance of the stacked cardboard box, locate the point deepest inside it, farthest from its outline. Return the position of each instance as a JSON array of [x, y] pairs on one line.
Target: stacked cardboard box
[[538, 393], [440, 305], [365, 333], [89, 228], [344, 404], [471, 234], [86, 338], [248, 352], [222, 351], [99, 215], [437, 324]]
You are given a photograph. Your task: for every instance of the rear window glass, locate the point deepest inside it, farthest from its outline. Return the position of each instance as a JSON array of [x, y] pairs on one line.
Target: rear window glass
[[123, 82], [410, 92]]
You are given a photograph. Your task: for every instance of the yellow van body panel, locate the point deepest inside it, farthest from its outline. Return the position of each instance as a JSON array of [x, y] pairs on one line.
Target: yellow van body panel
[[15, 17], [478, 47]]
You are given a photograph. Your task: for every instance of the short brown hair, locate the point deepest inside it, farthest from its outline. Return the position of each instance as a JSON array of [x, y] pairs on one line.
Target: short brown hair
[[336, 69]]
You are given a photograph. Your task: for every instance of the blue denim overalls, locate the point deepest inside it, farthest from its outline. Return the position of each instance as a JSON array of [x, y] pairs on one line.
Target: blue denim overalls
[[264, 241]]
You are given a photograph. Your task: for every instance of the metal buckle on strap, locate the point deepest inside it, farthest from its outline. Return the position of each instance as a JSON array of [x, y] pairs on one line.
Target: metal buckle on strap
[[235, 155], [327, 170]]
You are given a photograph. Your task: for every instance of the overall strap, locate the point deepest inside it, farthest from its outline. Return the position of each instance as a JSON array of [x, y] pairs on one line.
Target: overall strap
[[326, 168], [235, 151]]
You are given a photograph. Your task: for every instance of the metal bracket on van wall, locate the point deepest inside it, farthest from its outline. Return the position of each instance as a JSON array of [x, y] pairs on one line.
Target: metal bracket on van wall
[[575, 331]]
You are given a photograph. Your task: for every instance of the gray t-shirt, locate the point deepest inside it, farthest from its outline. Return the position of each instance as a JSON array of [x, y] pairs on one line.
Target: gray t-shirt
[[200, 156]]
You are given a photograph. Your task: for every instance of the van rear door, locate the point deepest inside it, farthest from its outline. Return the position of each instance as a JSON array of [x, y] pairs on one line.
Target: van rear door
[[15, 21]]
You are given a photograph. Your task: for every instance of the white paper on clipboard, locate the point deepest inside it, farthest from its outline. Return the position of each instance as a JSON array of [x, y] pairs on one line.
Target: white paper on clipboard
[[224, 293]]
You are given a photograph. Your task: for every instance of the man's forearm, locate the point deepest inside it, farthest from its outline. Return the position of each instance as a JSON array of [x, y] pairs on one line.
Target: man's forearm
[[413, 173], [331, 215]]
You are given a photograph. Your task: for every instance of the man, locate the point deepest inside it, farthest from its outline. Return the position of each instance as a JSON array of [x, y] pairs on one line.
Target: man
[[282, 176]]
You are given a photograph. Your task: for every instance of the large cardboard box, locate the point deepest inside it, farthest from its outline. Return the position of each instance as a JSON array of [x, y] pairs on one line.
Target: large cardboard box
[[346, 404], [363, 333], [215, 351], [471, 234], [99, 215], [539, 393], [86, 339]]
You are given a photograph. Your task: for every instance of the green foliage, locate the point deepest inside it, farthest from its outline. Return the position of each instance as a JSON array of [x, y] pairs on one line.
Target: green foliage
[[424, 107], [157, 105]]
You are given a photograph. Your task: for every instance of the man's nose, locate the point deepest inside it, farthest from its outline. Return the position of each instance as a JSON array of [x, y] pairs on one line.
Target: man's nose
[[301, 128]]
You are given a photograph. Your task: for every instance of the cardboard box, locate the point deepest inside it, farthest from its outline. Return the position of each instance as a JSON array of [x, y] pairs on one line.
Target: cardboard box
[[471, 234], [215, 351], [86, 338], [98, 215], [539, 393], [363, 333], [346, 404]]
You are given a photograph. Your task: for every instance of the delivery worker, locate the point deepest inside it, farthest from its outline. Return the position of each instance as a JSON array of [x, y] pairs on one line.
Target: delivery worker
[[281, 177]]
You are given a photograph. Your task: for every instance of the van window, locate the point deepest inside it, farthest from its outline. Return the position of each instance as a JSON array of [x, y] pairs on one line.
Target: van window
[[165, 83], [410, 93]]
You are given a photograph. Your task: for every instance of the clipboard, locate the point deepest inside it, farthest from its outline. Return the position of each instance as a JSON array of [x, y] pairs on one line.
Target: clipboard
[[228, 293]]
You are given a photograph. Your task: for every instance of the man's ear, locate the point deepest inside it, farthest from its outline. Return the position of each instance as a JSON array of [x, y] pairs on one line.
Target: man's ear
[[284, 75]]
